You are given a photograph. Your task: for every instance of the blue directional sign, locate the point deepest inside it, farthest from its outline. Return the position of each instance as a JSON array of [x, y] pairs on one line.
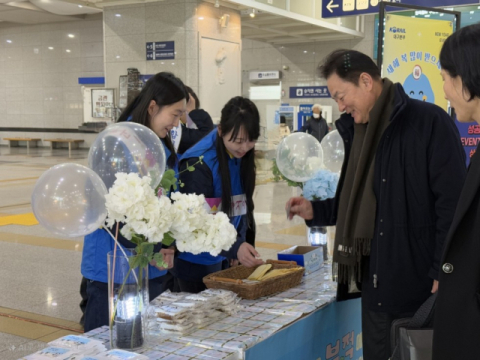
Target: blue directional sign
[[161, 50], [298, 92], [337, 8]]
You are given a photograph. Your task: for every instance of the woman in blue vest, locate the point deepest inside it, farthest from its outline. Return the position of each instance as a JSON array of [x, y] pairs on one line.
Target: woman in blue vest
[[227, 174], [159, 106]]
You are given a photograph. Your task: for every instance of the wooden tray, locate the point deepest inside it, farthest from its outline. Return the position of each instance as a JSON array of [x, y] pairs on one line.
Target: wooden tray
[[232, 279]]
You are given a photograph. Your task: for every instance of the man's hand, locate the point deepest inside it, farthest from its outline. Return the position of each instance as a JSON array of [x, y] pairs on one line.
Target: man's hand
[[435, 286], [247, 255], [299, 206], [168, 255]]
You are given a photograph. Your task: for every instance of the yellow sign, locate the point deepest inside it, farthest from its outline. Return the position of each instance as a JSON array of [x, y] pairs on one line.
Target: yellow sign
[[411, 56]]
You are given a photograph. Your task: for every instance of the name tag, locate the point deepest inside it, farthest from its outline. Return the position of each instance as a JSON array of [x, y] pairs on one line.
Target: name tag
[[239, 205]]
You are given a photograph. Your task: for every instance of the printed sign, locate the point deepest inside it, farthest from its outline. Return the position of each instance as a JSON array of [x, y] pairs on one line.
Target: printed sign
[[410, 57], [161, 50], [264, 75], [297, 92], [337, 8]]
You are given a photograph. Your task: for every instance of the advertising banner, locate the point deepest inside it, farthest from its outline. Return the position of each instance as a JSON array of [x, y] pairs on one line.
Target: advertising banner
[[330, 333], [410, 57]]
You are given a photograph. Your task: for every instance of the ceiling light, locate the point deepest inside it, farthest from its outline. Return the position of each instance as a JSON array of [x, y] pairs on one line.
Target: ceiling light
[[68, 50], [472, 12], [118, 15], [217, 4], [200, 18], [9, 41], [80, 6], [252, 13], [71, 36], [50, 48], [305, 51], [118, 56]]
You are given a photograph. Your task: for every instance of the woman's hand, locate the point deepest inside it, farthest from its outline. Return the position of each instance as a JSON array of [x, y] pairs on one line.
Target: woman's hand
[[247, 255]]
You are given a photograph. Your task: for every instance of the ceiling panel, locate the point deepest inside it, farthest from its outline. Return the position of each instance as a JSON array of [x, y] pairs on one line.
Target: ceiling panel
[[32, 17]]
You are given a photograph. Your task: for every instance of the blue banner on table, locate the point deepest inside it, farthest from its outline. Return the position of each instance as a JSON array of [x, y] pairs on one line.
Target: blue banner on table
[[336, 8], [470, 136], [160, 50], [300, 92], [330, 333]]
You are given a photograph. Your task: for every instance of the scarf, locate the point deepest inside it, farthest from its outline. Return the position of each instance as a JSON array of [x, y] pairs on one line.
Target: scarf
[[357, 206]]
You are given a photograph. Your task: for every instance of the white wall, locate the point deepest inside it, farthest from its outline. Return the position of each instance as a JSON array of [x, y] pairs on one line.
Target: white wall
[[39, 86], [302, 60]]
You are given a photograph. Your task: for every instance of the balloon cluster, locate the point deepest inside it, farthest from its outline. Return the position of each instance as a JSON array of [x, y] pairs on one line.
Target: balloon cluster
[[300, 155], [69, 199]]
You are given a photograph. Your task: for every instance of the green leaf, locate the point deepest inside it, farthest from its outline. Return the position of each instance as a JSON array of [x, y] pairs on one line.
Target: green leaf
[[191, 168], [168, 179], [147, 248], [168, 239], [158, 258], [138, 239], [143, 261]]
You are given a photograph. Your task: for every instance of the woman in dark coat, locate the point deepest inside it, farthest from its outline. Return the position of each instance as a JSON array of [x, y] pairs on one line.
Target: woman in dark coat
[[457, 312]]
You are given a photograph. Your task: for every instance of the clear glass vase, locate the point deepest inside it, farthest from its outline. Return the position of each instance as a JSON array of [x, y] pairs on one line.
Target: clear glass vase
[[317, 236], [128, 301]]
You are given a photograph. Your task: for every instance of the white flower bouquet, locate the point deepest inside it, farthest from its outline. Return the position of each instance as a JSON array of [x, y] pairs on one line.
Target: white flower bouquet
[[151, 219]]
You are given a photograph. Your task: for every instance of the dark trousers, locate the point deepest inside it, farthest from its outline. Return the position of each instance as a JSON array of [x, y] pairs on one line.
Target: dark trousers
[[376, 332], [83, 294], [96, 312], [190, 286], [375, 325]]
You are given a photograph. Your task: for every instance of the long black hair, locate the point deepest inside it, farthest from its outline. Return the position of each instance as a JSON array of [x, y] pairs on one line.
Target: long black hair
[[165, 89], [460, 56], [192, 94], [239, 113]]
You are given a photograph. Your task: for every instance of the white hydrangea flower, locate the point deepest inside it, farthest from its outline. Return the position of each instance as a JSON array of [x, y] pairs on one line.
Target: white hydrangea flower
[[132, 201]]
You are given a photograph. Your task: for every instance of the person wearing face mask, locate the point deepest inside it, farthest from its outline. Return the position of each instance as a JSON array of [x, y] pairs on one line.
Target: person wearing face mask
[[159, 107], [317, 125], [226, 175], [402, 175]]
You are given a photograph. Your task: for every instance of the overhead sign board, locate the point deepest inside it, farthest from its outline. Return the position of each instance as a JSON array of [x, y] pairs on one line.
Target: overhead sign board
[[298, 92], [338, 8], [160, 50], [264, 75]]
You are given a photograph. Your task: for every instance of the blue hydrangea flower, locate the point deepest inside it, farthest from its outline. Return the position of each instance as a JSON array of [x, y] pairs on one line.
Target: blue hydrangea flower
[[322, 186]]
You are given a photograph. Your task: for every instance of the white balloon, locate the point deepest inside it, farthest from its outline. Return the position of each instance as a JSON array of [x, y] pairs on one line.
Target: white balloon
[[299, 156], [333, 151], [69, 200], [127, 147]]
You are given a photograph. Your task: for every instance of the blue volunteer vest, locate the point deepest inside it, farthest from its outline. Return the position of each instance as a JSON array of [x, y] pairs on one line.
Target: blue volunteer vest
[[206, 147]]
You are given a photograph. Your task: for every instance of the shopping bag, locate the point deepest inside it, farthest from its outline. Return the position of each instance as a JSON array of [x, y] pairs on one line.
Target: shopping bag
[[412, 338]]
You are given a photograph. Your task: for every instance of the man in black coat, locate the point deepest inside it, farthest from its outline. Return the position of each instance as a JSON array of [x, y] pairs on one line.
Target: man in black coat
[[317, 125], [402, 175]]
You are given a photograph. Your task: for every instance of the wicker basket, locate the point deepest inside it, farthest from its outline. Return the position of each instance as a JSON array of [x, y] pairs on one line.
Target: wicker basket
[[229, 280]]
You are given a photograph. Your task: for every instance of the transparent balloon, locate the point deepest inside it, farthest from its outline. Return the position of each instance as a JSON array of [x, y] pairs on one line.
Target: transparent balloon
[[299, 156], [69, 200], [127, 147], [333, 151]]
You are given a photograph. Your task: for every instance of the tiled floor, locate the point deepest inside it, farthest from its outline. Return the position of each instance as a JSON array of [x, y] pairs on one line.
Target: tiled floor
[[40, 272]]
